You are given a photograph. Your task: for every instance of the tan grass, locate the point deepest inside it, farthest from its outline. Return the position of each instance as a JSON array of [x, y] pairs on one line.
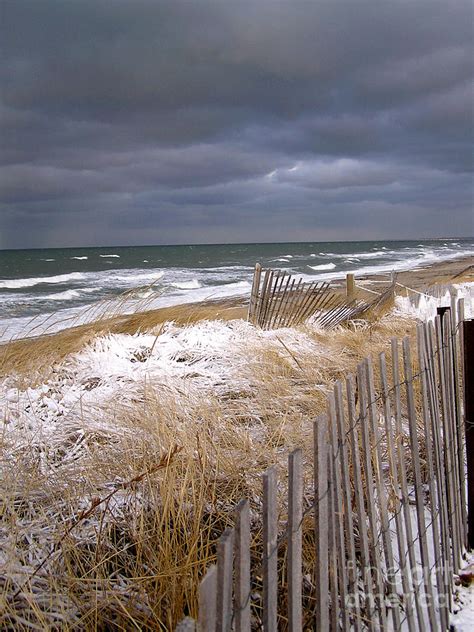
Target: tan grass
[[135, 561], [40, 354]]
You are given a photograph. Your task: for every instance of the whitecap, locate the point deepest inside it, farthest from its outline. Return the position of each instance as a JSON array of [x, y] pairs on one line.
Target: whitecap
[[13, 284], [110, 256], [187, 285], [67, 295], [80, 258], [368, 255], [141, 277], [323, 266]]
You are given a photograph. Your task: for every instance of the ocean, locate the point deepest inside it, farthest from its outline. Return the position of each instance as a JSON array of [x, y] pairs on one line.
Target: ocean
[[44, 290]]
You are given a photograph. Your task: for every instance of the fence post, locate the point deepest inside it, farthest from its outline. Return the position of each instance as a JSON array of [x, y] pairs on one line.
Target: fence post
[[468, 338], [350, 286], [254, 293]]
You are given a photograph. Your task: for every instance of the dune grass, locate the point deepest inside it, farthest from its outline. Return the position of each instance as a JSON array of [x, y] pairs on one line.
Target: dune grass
[[39, 354], [111, 506], [110, 522]]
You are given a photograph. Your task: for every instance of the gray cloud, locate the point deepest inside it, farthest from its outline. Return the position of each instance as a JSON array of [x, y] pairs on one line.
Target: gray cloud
[[151, 121]]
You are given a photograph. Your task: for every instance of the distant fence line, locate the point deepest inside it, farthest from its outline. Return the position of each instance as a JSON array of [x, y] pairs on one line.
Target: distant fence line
[[277, 299], [385, 517]]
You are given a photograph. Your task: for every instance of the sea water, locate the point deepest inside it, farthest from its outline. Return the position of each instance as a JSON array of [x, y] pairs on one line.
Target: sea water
[[44, 290]]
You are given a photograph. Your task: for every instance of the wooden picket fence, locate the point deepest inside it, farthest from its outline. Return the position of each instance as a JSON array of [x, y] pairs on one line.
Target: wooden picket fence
[[277, 299], [384, 516]]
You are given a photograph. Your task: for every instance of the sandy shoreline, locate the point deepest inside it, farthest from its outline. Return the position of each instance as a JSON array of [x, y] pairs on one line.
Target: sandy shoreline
[[453, 271]]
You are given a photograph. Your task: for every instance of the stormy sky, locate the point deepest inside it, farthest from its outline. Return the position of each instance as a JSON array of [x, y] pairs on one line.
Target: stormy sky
[[152, 122]]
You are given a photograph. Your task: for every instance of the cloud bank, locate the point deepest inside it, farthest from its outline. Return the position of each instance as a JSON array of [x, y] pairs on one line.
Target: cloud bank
[[140, 122]]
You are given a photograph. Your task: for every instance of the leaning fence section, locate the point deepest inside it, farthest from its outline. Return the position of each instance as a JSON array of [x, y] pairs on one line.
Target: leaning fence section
[[278, 299], [371, 540]]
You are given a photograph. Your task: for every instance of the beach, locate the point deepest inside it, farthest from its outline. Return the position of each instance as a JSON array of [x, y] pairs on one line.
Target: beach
[[43, 291], [127, 441], [431, 278]]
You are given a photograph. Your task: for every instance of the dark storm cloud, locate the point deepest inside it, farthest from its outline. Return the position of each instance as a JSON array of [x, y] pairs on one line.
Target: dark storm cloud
[[154, 121]]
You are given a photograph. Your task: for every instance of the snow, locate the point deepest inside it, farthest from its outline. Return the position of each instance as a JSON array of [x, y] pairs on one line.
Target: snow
[[423, 306], [462, 619], [112, 372]]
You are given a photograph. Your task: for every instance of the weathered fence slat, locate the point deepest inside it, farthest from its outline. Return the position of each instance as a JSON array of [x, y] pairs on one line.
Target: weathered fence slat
[[242, 568], [457, 344], [266, 298], [435, 514], [321, 516], [405, 500], [270, 550], [360, 507], [448, 426], [295, 537], [381, 493], [333, 561], [254, 292], [347, 522], [338, 522], [451, 376], [261, 296], [306, 293], [224, 581], [440, 474], [277, 291], [208, 601], [408, 596], [314, 300], [447, 446], [375, 567], [419, 496], [284, 304], [454, 426]]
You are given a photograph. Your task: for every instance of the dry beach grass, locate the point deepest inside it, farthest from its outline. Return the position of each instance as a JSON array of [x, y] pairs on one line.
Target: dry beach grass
[[120, 468]]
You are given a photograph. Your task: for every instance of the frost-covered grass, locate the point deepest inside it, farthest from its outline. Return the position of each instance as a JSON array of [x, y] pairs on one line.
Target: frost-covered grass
[[123, 457], [126, 443]]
